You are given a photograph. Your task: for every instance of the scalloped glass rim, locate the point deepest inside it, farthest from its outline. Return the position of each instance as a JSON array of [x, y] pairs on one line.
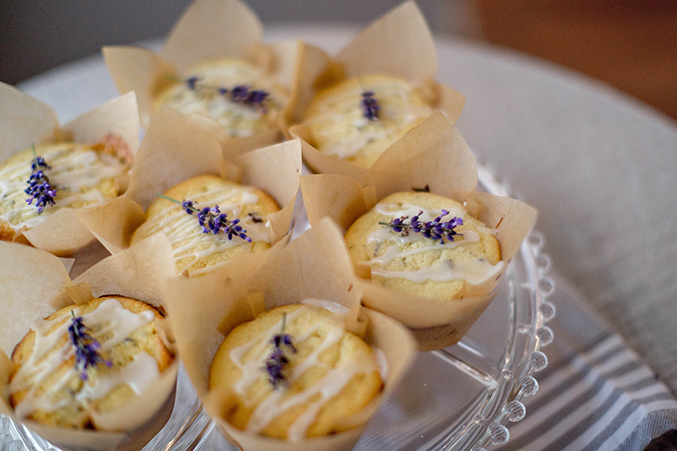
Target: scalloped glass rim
[[459, 398], [485, 422]]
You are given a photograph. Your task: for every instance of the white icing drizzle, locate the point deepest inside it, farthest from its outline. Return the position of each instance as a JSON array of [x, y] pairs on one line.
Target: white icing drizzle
[[236, 119], [394, 252], [382, 362], [332, 306], [327, 387], [74, 168], [110, 320], [138, 375], [474, 271], [185, 233]]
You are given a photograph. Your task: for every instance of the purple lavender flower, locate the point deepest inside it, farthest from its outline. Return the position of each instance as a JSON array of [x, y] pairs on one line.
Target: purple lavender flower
[[398, 225], [278, 360], [435, 229], [38, 162], [192, 83], [212, 220], [370, 106], [39, 188], [87, 353], [206, 217], [247, 96], [241, 94], [257, 98], [187, 205]]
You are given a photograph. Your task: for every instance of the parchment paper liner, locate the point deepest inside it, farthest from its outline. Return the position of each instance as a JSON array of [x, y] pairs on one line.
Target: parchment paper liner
[[432, 155], [35, 285], [176, 148], [398, 44], [25, 120], [208, 30], [315, 265]]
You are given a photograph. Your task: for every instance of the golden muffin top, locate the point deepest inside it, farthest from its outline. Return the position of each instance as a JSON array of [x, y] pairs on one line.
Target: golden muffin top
[[83, 362], [196, 247], [423, 244], [359, 118], [240, 97], [80, 175], [295, 372]]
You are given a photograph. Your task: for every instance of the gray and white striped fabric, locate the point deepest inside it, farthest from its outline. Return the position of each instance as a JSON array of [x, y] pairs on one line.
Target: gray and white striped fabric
[[596, 393]]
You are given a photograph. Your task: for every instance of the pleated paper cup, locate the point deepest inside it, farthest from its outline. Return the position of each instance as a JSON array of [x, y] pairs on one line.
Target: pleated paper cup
[[399, 44], [25, 121], [35, 285], [431, 157], [315, 265], [177, 148], [209, 30]]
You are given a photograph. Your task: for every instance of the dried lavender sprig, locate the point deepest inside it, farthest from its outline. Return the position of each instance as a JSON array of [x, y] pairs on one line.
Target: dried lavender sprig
[[370, 106], [278, 360], [242, 94], [39, 188], [435, 229], [87, 353], [212, 220]]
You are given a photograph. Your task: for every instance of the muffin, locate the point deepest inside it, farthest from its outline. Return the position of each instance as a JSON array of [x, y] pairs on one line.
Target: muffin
[[389, 245], [196, 247], [295, 373], [238, 96], [359, 118], [81, 175], [83, 362]]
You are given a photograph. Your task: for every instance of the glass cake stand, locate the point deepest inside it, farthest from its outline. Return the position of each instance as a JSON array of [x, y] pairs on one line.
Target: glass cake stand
[[463, 397]]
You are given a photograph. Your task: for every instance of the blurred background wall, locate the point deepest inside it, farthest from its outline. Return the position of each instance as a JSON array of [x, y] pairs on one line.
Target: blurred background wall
[[630, 44], [36, 35]]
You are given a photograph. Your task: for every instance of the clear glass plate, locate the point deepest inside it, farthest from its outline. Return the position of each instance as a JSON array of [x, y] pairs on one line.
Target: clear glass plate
[[459, 398]]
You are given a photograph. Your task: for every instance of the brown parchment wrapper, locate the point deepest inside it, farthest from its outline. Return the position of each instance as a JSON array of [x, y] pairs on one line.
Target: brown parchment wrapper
[[35, 285], [315, 265], [431, 156], [25, 120], [209, 30], [398, 44], [176, 148]]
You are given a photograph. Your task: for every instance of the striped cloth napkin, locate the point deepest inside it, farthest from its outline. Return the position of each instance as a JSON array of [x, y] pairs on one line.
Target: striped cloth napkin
[[596, 393]]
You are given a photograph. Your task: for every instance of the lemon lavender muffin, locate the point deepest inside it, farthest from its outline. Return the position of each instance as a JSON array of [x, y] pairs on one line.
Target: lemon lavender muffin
[[83, 362], [34, 185], [358, 119], [296, 373], [209, 220], [423, 244], [240, 97]]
